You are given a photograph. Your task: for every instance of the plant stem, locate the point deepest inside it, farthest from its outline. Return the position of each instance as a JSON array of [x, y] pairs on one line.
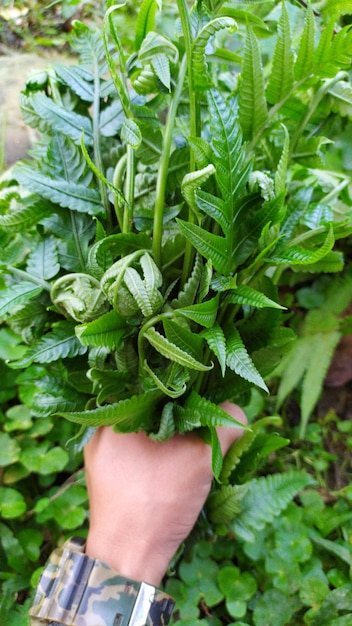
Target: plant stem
[[117, 181], [130, 177], [96, 145], [164, 165], [33, 279], [193, 121]]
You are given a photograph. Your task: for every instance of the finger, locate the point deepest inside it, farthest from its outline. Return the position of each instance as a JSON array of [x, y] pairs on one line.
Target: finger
[[228, 436]]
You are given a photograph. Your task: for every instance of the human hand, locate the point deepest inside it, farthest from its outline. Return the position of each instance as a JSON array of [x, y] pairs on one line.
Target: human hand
[[145, 497]]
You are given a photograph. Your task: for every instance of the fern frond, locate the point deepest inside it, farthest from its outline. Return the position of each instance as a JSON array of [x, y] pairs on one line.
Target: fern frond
[[108, 330], [180, 335], [134, 413], [188, 294], [23, 214], [171, 351], [214, 207], [265, 499], [243, 444], [282, 74], [200, 43], [43, 260], [216, 341], [78, 78], [192, 181], [59, 343], [297, 255], [212, 247], [321, 353], [293, 367], [225, 503], [62, 120], [77, 197], [280, 174], [305, 57], [253, 112], [203, 313], [246, 295], [238, 359], [145, 20], [226, 138], [167, 426]]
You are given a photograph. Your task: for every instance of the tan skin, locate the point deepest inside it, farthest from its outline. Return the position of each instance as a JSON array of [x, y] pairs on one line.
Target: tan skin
[[145, 497]]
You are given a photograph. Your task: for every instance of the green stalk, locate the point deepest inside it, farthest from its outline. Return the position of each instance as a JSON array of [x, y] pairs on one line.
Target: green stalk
[[164, 165], [117, 181], [130, 178], [96, 145], [33, 279], [193, 120]]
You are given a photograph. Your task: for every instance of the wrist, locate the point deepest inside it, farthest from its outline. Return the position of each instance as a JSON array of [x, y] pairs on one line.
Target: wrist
[[136, 558]]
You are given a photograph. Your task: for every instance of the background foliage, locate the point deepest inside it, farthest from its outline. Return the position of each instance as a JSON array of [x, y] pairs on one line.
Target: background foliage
[[291, 562]]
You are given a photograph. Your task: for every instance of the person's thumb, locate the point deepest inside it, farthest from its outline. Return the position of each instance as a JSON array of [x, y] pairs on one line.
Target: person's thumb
[[228, 435]]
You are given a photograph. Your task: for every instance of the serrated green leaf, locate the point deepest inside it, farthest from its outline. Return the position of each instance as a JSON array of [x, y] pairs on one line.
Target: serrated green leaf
[[280, 174], [206, 413], [243, 444], [192, 181], [108, 330], [216, 341], [111, 119], [24, 214], [305, 57], [77, 197], [188, 294], [182, 337], [253, 111], [214, 207], [321, 353], [203, 313], [225, 503], [238, 359], [63, 120], [212, 247], [145, 20], [59, 343], [173, 352], [78, 78], [134, 413], [167, 388], [131, 134], [200, 43], [161, 66], [17, 294], [297, 255], [245, 295], [43, 261], [266, 498], [282, 74], [201, 150], [167, 424]]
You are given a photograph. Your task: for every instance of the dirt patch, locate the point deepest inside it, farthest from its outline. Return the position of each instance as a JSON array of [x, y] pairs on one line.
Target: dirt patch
[[15, 137]]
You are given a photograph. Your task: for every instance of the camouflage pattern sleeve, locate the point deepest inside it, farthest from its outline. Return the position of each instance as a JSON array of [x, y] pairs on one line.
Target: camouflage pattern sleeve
[[76, 590]]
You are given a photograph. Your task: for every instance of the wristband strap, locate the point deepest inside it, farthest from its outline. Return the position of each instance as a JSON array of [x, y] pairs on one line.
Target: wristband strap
[[77, 590]]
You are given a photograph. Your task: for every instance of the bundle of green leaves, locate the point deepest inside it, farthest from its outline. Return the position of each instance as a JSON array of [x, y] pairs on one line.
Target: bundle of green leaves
[[177, 177]]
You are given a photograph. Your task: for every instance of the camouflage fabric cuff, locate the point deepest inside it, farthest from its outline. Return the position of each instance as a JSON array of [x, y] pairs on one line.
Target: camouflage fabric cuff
[[76, 590]]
